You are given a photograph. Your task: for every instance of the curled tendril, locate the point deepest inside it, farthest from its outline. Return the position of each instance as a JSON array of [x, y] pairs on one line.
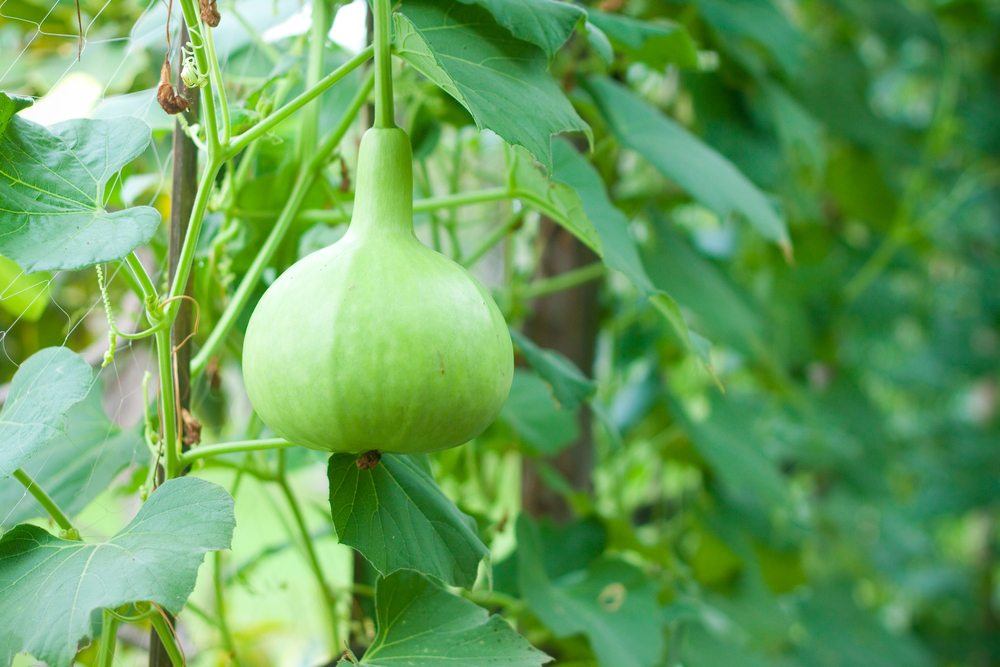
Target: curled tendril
[[191, 74]]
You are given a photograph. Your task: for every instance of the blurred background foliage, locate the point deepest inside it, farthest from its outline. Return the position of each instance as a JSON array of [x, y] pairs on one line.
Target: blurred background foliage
[[835, 505]]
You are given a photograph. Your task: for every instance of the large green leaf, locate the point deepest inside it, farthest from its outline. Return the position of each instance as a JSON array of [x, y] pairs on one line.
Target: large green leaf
[[657, 44], [544, 23], [492, 74], [75, 467], [53, 191], [569, 385], [398, 518], [10, 105], [44, 388], [419, 624], [50, 588], [611, 602], [682, 157], [577, 199], [535, 415]]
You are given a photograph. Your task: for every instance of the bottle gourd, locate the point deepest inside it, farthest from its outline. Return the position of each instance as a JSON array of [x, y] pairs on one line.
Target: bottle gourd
[[378, 342]]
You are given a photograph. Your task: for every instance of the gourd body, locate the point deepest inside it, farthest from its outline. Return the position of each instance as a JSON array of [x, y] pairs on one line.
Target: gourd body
[[378, 342]]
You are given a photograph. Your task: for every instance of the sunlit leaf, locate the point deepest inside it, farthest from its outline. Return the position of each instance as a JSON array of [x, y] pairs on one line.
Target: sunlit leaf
[[50, 587], [44, 388], [73, 468], [53, 190], [23, 295]]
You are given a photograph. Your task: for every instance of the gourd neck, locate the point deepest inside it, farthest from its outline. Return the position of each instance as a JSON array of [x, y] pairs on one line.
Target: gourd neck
[[383, 203]]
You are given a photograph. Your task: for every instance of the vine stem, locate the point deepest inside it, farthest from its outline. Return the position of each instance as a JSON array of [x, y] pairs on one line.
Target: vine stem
[[109, 633], [208, 451], [142, 279], [168, 403], [263, 127], [384, 112], [281, 226], [311, 556], [215, 76], [314, 69], [46, 501], [205, 64], [563, 281], [494, 237], [166, 634], [186, 259]]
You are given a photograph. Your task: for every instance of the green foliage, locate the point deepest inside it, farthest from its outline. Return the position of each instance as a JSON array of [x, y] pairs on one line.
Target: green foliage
[[53, 185], [43, 390], [750, 456], [50, 586], [397, 518], [437, 38], [419, 623]]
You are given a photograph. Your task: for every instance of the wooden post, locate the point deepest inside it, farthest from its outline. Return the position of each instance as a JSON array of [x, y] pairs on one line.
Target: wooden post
[[566, 322], [184, 186]]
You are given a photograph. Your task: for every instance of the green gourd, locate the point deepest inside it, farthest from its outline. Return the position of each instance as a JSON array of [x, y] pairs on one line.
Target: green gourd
[[377, 342]]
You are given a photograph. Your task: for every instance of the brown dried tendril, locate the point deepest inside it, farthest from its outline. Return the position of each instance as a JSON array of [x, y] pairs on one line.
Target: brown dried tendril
[[170, 100], [209, 12]]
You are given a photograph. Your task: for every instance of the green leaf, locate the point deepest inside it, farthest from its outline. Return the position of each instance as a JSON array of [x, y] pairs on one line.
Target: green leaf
[[50, 587], [544, 23], [842, 633], [577, 199], [532, 411], [728, 441], [395, 515], [611, 602], [461, 49], [53, 187], [616, 246], [564, 548], [656, 44], [682, 157], [23, 295], [10, 105], [419, 624], [556, 200], [44, 388], [569, 385], [760, 23], [75, 467], [723, 311]]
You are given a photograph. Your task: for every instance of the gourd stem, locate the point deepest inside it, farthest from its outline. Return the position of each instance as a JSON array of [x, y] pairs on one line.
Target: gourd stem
[[207, 451], [384, 113]]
